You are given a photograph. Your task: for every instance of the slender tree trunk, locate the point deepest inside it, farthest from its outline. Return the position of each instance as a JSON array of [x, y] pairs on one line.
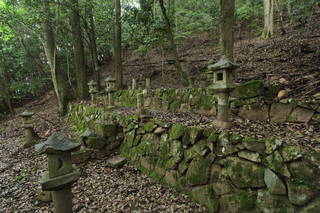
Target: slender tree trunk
[[173, 47], [268, 19], [78, 51], [93, 46], [4, 90], [117, 45], [59, 78], [227, 27]]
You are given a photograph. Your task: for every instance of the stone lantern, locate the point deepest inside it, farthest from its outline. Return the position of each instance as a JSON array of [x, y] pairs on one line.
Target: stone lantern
[[30, 136], [140, 104], [61, 173], [93, 90], [110, 89], [222, 74]]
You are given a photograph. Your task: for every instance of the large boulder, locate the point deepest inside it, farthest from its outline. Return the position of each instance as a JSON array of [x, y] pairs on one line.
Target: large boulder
[[198, 172]]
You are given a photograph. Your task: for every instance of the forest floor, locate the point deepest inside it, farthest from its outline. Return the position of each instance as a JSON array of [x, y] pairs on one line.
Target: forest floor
[[99, 189]]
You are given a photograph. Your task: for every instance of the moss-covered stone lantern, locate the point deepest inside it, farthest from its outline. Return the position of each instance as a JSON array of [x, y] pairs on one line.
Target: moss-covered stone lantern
[[61, 173], [110, 89], [92, 90], [222, 74], [30, 136]]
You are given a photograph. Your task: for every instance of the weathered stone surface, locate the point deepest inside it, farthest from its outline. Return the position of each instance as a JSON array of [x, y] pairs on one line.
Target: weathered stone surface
[[303, 171], [238, 202], [276, 163], [171, 178], [176, 131], [205, 196], [268, 203], [280, 112], [198, 172], [221, 188], [313, 158], [274, 183], [116, 162], [254, 145], [194, 134], [299, 194], [44, 196], [105, 129], [249, 89], [183, 167], [254, 114], [148, 162], [81, 156], [291, 153], [251, 156], [149, 126], [272, 144], [96, 142], [244, 174], [300, 114], [313, 207], [159, 130]]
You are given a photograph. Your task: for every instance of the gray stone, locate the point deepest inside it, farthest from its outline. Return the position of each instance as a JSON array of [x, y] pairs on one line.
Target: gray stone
[[300, 114], [198, 172], [291, 153], [272, 144], [251, 156], [96, 143], [303, 171], [254, 114], [205, 196], [274, 183], [81, 156], [280, 112], [276, 163], [313, 207], [300, 194], [267, 203], [116, 162], [254, 145], [44, 196], [244, 174]]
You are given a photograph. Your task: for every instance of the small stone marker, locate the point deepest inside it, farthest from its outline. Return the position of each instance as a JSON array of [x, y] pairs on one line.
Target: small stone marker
[[134, 84], [61, 173], [93, 90], [110, 89], [116, 162], [140, 104], [30, 136], [222, 84]]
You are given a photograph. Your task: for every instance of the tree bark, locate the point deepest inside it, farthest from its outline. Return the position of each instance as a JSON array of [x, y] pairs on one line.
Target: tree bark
[[59, 78], [78, 51], [268, 19], [93, 46], [173, 47], [227, 27], [4, 90], [117, 45]]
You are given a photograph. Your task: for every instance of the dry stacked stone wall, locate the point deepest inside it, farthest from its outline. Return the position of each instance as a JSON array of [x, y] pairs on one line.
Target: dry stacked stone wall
[[224, 172]]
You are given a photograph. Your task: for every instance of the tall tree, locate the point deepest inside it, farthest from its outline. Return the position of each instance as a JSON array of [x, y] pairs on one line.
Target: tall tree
[[227, 27], [173, 47], [59, 78], [268, 6], [4, 88], [117, 45], [78, 51]]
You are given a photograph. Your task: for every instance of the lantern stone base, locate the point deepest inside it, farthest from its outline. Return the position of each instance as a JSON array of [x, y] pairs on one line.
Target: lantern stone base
[[222, 124], [58, 183], [30, 138]]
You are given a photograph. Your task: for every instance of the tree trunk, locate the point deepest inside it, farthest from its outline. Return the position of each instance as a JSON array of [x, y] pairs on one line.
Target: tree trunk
[[173, 47], [117, 45], [4, 90], [268, 19], [59, 78], [93, 46], [227, 27], [78, 51]]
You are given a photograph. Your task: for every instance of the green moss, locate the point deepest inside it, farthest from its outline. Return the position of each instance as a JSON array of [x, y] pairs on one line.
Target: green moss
[[176, 131], [198, 172], [149, 126], [249, 89], [175, 105]]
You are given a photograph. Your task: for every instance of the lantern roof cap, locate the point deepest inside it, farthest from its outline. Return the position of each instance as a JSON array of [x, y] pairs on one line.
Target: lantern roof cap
[[27, 113], [223, 63], [57, 143], [110, 79], [92, 83]]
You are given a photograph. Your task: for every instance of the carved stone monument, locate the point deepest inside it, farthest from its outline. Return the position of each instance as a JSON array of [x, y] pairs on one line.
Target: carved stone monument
[[110, 89], [222, 74], [30, 136], [93, 90], [61, 173]]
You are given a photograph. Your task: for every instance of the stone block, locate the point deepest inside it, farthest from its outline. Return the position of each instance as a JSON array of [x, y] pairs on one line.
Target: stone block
[[176, 131], [198, 172], [299, 194], [116, 162], [251, 156], [81, 156], [274, 184], [280, 112], [254, 145], [291, 153], [300, 114], [238, 202], [254, 113], [276, 163], [249, 89], [268, 203], [205, 196], [105, 129], [96, 143]]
